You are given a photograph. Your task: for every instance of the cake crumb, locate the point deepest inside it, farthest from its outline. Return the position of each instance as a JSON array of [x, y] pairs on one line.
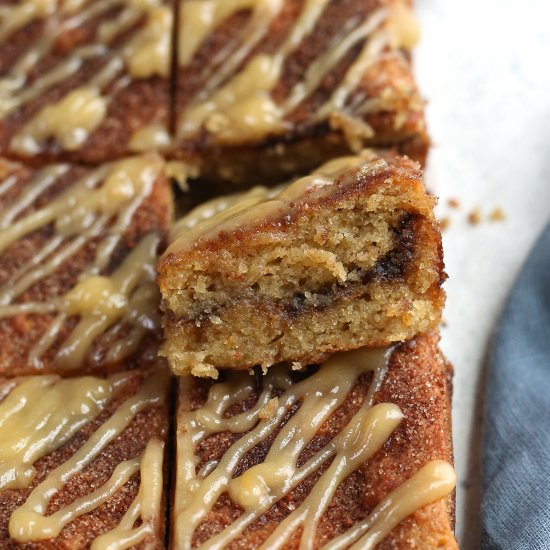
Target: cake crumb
[[444, 223], [497, 215], [203, 370], [270, 409], [453, 203], [474, 217]]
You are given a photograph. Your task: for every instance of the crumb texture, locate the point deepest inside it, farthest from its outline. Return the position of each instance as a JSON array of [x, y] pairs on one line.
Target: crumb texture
[[346, 257]]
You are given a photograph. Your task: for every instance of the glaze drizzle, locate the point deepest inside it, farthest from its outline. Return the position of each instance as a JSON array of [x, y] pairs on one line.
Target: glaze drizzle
[[131, 40], [235, 104], [99, 207], [263, 485], [66, 406]]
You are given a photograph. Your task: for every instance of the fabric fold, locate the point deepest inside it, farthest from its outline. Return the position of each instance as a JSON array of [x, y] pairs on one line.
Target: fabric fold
[[516, 502]]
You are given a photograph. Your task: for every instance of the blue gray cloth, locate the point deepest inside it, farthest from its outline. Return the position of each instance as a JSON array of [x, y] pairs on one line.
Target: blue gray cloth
[[516, 501]]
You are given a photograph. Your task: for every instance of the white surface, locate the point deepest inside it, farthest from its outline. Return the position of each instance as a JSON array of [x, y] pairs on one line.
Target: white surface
[[484, 66]]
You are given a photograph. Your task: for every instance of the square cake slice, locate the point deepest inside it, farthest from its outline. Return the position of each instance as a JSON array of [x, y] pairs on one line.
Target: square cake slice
[[82, 461], [84, 80], [78, 249], [349, 256], [272, 88], [354, 454]]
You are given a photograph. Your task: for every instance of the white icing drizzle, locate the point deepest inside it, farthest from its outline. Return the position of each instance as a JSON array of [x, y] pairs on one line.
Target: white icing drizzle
[[198, 19], [370, 53], [235, 103], [403, 26], [102, 204], [332, 56], [71, 120], [37, 186], [261, 486], [148, 53], [194, 19], [101, 301], [7, 184], [29, 522], [153, 137], [242, 108]]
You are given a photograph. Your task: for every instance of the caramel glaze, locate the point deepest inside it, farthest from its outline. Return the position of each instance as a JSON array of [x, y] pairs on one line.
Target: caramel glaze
[[20, 333], [418, 381], [393, 112], [328, 27], [350, 177], [20, 41], [84, 51], [148, 425]]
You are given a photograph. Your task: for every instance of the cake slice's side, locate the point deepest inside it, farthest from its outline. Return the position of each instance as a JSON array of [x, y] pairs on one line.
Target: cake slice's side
[[272, 89], [86, 467], [84, 81], [78, 249], [349, 256], [355, 454]]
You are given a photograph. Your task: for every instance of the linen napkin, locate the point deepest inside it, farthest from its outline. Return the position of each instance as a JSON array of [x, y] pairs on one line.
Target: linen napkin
[[516, 501]]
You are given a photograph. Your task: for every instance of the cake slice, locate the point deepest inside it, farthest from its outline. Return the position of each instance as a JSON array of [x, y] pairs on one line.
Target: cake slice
[[85, 80], [346, 257], [78, 249], [271, 89], [85, 468], [354, 454]]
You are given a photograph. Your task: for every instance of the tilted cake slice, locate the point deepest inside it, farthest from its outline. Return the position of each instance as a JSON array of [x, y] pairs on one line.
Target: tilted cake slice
[[346, 257], [78, 249], [271, 88], [356, 454], [82, 461], [84, 80]]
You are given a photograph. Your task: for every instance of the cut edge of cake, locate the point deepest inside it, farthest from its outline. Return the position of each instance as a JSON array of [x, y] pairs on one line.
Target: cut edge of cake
[[346, 257]]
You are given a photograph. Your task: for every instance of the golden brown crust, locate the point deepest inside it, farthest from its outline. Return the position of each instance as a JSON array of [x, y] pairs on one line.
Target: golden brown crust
[[19, 42], [225, 170], [212, 285], [151, 423], [418, 381], [20, 333], [395, 119]]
